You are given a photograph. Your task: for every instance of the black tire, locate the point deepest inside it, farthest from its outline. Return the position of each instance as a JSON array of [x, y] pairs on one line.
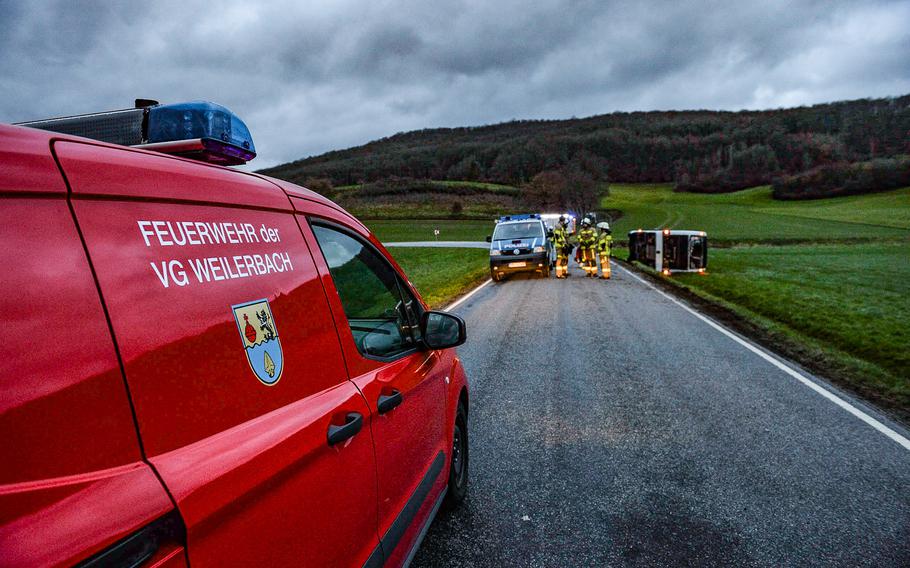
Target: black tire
[[546, 271], [458, 471], [494, 276]]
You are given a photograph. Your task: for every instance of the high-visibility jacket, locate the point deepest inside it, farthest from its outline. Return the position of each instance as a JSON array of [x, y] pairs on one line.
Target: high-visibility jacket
[[604, 243], [560, 237], [587, 238]]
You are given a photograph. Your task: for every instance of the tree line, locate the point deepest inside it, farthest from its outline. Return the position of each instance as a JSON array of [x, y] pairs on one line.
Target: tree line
[[701, 151]]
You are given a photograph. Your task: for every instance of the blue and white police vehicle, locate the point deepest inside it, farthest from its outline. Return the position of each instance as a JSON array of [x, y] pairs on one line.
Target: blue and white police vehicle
[[519, 243]]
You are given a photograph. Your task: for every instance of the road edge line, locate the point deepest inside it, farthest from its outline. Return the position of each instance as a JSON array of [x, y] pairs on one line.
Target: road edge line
[[465, 298], [856, 412]]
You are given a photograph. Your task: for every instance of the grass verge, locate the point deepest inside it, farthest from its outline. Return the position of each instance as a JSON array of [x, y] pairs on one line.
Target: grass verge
[[443, 274], [402, 230]]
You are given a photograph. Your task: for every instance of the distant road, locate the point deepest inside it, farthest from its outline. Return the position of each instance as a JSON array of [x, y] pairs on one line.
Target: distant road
[[611, 426], [446, 244]]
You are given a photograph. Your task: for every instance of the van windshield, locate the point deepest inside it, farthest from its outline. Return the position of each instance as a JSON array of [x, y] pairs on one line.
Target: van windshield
[[509, 231]]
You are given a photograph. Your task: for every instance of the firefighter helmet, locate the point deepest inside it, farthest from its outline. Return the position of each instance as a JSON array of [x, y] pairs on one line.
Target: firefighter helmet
[[603, 226], [585, 222]]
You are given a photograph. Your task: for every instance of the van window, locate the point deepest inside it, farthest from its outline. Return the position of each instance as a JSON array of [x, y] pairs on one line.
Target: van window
[[508, 231], [381, 321]]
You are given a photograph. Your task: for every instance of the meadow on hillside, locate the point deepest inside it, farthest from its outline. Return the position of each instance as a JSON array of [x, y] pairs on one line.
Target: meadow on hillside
[[753, 216]]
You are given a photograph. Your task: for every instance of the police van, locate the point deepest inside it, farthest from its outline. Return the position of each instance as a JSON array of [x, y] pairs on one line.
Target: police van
[[519, 243], [670, 250], [208, 367]]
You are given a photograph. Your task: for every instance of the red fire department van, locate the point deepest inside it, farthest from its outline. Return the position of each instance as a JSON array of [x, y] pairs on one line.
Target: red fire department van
[[205, 366]]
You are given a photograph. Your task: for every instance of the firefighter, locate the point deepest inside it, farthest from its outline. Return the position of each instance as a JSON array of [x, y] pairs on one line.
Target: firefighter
[[604, 246], [587, 241], [561, 244]]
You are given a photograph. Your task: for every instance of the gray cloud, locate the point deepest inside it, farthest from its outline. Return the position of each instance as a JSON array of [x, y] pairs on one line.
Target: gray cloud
[[311, 77]]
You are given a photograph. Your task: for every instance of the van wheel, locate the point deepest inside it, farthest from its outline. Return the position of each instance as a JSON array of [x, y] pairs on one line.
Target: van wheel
[[458, 472], [496, 276], [546, 271]]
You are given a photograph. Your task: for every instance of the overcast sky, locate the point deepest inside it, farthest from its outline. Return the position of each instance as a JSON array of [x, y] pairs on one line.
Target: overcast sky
[[312, 76]]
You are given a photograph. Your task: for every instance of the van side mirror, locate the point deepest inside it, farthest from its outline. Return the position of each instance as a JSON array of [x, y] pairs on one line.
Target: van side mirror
[[441, 330], [489, 238], [549, 233]]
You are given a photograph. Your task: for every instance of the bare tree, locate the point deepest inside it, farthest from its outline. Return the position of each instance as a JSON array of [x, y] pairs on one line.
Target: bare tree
[[322, 186], [580, 194], [546, 191]]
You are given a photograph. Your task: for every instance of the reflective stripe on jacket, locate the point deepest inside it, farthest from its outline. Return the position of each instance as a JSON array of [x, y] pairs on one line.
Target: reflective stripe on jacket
[[605, 243]]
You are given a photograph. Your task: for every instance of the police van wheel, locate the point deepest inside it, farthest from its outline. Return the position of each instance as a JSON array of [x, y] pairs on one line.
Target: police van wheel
[[458, 472], [496, 277], [546, 271]]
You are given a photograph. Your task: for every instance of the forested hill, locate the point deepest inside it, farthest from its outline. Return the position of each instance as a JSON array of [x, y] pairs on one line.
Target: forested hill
[[700, 150]]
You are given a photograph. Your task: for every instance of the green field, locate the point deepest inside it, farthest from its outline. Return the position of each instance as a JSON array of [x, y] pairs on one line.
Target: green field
[[493, 187], [423, 207], [753, 216], [399, 230], [749, 216], [443, 200], [442, 274], [846, 303]]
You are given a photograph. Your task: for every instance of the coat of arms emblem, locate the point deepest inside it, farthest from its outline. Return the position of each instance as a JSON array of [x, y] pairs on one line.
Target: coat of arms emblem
[[260, 339]]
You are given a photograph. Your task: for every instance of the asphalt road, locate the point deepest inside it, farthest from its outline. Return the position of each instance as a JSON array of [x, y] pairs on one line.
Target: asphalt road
[[609, 426]]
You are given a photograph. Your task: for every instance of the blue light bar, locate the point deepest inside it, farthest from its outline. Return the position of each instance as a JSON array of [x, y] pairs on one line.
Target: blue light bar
[[199, 130], [522, 217], [224, 137]]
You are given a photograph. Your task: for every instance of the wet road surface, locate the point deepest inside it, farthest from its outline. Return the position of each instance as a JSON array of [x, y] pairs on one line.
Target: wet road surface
[[609, 426]]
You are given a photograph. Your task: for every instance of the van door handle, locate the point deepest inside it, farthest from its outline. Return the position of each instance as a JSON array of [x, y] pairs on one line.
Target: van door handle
[[353, 423], [387, 402]]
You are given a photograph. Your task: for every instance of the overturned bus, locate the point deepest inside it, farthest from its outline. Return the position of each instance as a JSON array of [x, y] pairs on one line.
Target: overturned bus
[[670, 250]]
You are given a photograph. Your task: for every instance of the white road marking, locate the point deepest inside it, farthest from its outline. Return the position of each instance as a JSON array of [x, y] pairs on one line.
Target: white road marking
[[798, 376], [465, 298]]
